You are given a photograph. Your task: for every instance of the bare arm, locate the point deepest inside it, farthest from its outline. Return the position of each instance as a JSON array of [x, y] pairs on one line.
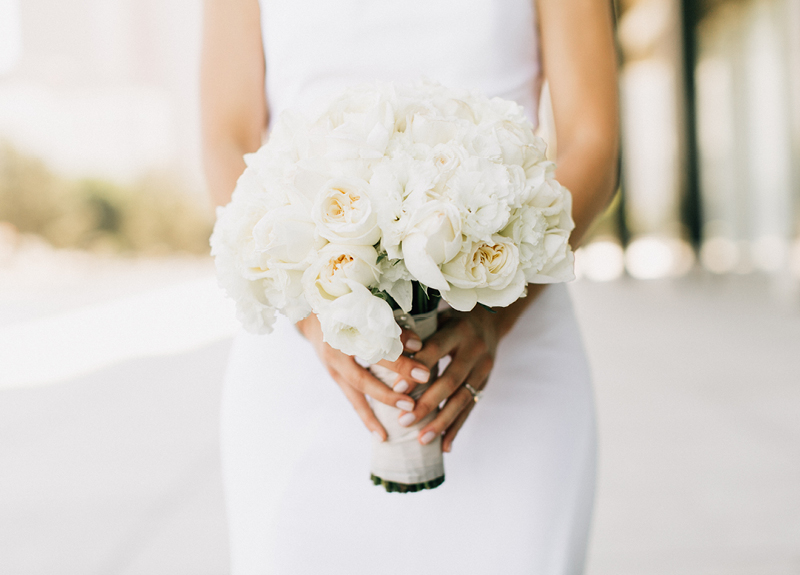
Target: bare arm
[[233, 103], [580, 65], [234, 117]]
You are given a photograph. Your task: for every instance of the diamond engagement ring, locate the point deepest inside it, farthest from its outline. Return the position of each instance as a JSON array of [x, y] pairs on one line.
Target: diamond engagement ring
[[476, 395]]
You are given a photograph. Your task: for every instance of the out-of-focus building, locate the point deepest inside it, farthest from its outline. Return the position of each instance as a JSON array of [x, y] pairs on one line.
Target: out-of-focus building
[[102, 87], [711, 134]]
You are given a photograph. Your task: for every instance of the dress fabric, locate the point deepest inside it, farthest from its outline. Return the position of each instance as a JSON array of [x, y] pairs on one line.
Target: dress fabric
[[519, 484]]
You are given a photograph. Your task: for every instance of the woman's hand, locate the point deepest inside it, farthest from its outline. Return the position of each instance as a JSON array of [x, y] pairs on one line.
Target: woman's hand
[[357, 382], [470, 339]]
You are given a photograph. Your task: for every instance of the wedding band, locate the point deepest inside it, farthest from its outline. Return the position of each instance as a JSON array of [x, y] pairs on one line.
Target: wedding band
[[476, 395]]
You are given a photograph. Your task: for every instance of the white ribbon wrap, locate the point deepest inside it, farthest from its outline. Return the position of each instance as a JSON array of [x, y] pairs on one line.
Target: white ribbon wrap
[[401, 458]]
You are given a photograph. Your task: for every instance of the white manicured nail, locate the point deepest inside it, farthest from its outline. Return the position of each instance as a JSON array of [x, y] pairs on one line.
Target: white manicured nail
[[401, 386], [427, 438], [406, 420], [421, 375], [405, 405], [413, 345], [377, 437]]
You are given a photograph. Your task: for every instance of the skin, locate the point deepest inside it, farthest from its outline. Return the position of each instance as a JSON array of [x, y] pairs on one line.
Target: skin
[[579, 62]]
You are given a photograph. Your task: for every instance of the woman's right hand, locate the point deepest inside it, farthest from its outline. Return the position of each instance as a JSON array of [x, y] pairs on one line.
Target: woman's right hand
[[357, 382]]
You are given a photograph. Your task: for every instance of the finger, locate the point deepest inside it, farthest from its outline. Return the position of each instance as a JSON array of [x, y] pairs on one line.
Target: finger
[[478, 378], [440, 344], [452, 431], [363, 381], [457, 403], [362, 407], [445, 386], [409, 373], [411, 341]]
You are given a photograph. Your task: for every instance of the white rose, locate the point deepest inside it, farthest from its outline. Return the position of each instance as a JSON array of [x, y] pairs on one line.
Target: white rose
[[363, 325], [447, 157], [336, 269], [343, 213], [433, 238], [519, 145], [358, 124], [487, 273], [285, 235]]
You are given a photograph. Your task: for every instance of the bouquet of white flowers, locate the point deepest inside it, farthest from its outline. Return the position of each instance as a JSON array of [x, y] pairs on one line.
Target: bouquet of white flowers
[[394, 197]]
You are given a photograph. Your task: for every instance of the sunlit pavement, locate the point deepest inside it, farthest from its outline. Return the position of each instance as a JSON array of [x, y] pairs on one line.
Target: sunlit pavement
[[116, 471]]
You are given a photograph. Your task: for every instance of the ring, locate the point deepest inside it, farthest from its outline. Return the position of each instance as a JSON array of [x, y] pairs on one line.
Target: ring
[[476, 395]]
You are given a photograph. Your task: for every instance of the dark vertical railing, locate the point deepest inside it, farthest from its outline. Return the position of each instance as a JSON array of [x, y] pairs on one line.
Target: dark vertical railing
[[691, 206]]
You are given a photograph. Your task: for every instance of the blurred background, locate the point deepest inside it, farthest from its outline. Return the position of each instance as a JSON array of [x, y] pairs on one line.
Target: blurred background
[[113, 335]]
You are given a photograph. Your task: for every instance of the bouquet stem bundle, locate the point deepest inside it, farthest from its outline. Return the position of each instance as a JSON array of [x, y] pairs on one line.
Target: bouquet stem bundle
[[401, 464]]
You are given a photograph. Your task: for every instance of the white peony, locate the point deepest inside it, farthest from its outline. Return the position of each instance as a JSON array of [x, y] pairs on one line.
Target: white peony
[[362, 325], [343, 213], [433, 237], [483, 192]]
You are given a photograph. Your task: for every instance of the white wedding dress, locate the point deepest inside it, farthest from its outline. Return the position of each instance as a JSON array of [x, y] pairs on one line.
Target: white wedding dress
[[519, 484]]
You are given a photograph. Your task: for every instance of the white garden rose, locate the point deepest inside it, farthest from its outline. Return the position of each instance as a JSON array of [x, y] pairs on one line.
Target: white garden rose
[[343, 213], [432, 238], [485, 272], [362, 325], [286, 237], [358, 125], [336, 269]]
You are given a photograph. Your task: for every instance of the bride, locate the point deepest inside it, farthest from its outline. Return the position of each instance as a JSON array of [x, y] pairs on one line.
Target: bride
[[520, 464]]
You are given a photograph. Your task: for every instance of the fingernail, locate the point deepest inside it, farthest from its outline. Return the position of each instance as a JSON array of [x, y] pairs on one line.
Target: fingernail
[[406, 419], [405, 405], [447, 449], [378, 437], [413, 344], [421, 375], [401, 386], [427, 438]]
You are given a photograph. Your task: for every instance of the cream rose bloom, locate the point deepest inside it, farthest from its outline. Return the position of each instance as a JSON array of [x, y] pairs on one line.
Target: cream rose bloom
[[362, 325], [336, 268], [343, 213], [485, 272]]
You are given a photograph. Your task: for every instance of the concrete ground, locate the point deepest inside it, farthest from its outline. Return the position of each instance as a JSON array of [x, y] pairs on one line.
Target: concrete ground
[[698, 391]]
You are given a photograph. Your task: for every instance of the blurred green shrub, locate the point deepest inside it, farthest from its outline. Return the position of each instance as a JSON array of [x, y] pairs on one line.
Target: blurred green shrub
[[152, 216]]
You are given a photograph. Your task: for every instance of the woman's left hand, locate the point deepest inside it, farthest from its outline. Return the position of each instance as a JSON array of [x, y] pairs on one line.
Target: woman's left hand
[[470, 339]]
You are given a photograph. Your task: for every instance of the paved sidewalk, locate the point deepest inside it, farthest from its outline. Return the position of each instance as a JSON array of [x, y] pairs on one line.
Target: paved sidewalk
[[698, 393]]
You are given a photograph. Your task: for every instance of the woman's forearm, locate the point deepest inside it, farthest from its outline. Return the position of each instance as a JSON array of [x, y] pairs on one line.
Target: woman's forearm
[[588, 169], [223, 163], [232, 101]]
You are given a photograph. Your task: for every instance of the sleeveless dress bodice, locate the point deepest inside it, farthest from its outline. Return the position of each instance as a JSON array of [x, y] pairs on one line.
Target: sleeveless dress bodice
[[316, 48], [519, 487]]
